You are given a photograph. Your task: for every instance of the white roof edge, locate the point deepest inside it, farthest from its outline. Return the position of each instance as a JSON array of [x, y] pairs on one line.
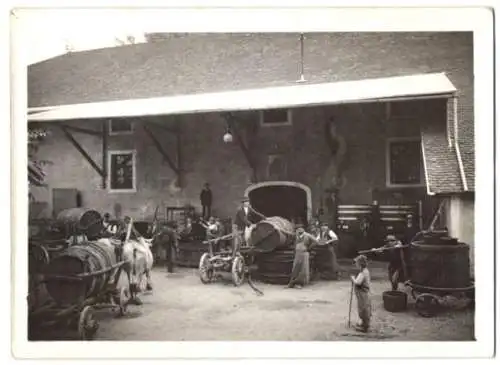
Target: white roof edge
[[301, 95]]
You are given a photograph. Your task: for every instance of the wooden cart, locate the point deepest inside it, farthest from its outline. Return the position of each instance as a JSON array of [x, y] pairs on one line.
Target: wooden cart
[[428, 300], [79, 314], [218, 261]]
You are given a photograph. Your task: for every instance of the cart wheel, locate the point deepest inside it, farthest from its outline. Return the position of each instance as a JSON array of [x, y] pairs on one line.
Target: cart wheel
[[87, 325], [238, 270], [123, 301], [40, 255], [205, 268], [427, 305]]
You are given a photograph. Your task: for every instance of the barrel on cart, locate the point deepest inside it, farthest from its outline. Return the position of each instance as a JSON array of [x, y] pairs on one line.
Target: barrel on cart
[[271, 234], [80, 279], [91, 257], [76, 221], [439, 266]]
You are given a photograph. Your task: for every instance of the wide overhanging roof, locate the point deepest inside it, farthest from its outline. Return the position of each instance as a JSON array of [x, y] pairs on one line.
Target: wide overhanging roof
[[300, 95]]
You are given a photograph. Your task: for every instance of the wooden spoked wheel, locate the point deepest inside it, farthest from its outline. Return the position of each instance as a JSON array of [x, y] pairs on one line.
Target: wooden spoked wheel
[[205, 269], [238, 270], [40, 257], [87, 324], [123, 300], [427, 305]]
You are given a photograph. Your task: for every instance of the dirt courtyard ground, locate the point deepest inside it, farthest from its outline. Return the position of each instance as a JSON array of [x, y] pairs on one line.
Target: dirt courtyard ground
[[181, 308]]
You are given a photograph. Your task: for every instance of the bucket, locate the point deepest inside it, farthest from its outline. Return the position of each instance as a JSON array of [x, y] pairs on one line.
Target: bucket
[[395, 301]]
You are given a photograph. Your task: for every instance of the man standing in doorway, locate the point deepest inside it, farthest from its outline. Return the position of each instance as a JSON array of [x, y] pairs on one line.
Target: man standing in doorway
[[206, 201]]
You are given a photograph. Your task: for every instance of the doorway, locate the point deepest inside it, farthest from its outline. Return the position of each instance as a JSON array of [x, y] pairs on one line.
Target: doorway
[[286, 199]]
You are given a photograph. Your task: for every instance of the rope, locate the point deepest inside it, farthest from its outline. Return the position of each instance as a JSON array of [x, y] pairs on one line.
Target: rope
[[250, 281], [252, 285]]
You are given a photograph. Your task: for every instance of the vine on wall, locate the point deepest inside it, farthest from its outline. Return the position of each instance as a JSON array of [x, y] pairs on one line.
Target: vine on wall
[[36, 167]]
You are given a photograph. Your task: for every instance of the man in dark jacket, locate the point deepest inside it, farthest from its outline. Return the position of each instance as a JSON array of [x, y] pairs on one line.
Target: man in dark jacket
[[246, 215], [206, 201], [167, 238], [395, 268]]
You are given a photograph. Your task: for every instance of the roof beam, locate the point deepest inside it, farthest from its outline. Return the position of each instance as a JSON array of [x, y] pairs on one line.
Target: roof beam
[[82, 151], [160, 149], [83, 130]]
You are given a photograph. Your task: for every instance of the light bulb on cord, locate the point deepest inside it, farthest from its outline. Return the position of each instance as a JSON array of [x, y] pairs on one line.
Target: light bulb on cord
[[228, 137]]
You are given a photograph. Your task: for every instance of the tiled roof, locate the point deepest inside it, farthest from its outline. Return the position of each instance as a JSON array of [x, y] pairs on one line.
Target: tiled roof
[[198, 63], [440, 162]]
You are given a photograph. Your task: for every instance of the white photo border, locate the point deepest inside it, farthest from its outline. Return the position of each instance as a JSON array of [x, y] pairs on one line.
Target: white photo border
[[302, 19]]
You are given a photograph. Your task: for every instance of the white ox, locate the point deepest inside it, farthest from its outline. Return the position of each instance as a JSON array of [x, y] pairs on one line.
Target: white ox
[[138, 263]]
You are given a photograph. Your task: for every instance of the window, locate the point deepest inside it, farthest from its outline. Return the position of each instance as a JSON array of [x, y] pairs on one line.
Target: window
[[404, 163], [275, 117], [121, 171], [120, 126]]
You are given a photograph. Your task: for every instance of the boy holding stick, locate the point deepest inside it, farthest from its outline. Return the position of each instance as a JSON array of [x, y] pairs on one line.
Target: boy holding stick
[[361, 285]]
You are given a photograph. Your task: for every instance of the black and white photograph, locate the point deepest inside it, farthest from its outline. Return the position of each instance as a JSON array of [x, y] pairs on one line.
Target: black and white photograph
[[299, 185]]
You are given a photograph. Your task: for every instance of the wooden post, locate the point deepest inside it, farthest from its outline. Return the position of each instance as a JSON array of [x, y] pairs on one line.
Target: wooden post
[[105, 135], [180, 172]]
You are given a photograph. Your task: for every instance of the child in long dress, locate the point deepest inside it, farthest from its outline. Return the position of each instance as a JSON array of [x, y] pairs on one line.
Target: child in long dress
[[362, 285]]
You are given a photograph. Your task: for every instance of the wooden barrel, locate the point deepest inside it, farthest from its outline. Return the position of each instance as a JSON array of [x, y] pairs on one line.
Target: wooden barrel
[[80, 220], [190, 253], [275, 267], [84, 258], [272, 233], [440, 266]]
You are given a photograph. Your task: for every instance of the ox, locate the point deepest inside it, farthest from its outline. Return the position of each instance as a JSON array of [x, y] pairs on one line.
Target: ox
[[134, 251], [138, 262]]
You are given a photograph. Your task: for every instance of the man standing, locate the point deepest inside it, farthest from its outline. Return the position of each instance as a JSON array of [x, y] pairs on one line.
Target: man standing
[[246, 216], [304, 242], [395, 268], [326, 237], [206, 201], [167, 238]]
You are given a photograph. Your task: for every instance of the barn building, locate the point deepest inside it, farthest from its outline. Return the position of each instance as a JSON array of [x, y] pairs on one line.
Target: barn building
[[327, 124]]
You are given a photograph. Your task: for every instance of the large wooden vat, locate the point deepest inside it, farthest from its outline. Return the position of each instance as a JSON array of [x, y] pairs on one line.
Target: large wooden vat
[[440, 265], [275, 267], [89, 257], [80, 220], [272, 233]]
